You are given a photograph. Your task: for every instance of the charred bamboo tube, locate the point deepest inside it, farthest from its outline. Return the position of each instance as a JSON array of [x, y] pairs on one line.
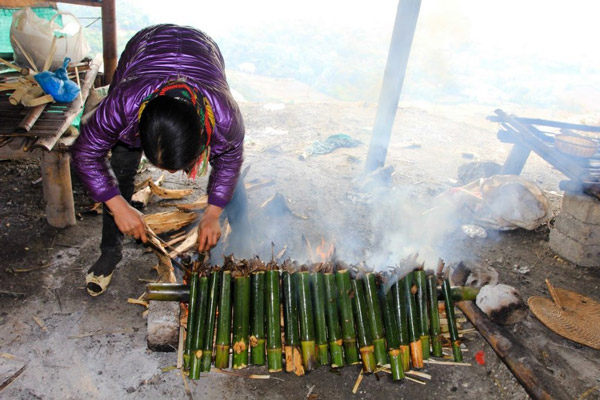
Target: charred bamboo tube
[[451, 320], [307, 324], [460, 293], [257, 323], [198, 337], [342, 279], [333, 323], [191, 320], [420, 279], [374, 318], [318, 298], [168, 286], [392, 333], [293, 355], [365, 343], [169, 295], [274, 362], [399, 298], [211, 316], [241, 321], [434, 316], [224, 322], [416, 350]]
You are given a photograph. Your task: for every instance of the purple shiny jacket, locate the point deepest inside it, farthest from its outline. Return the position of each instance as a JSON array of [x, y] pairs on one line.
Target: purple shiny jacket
[[154, 56]]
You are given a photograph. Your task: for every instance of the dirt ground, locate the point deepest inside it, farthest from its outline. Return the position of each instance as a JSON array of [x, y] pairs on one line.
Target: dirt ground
[[77, 347]]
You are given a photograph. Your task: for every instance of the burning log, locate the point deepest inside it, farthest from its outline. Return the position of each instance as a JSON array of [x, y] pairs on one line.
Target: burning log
[[342, 279], [274, 361], [293, 355]]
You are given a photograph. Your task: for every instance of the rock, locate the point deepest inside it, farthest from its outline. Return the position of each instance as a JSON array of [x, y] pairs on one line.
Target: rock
[[502, 304]]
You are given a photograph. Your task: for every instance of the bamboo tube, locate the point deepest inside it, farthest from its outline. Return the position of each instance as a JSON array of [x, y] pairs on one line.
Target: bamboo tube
[[333, 323], [37, 101], [318, 298], [274, 362], [257, 322], [342, 279], [293, 355], [392, 333], [198, 336], [365, 343], [306, 317], [434, 314], [223, 341], [451, 320], [17, 95], [420, 279], [191, 320], [416, 349], [460, 293], [209, 326], [374, 318], [167, 286], [402, 321], [241, 320], [168, 295]]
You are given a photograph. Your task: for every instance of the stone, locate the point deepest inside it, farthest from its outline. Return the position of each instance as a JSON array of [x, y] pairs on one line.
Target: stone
[[570, 249], [582, 232], [582, 207], [163, 325]]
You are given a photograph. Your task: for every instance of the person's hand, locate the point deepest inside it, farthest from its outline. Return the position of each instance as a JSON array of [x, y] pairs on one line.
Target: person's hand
[[209, 229], [129, 220]]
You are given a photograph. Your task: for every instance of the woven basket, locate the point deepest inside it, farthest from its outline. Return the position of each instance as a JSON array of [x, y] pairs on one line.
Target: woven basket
[[576, 145]]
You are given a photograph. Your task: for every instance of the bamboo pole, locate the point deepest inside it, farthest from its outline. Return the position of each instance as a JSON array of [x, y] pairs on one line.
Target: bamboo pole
[[392, 333], [274, 362], [402, 321], [374, 318], [257, 322], [307, 324], [209, 326], [198, 334], [241, 320], [333, 323], [223, 340], [293, 355], [342, 279], [434, 314], [420, 279], [318, 298], [191, 320], [365, 342], [416, 349], [451, 320]]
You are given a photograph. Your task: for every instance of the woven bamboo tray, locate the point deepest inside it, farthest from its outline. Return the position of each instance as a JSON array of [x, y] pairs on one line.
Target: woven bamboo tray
[[576, 145]]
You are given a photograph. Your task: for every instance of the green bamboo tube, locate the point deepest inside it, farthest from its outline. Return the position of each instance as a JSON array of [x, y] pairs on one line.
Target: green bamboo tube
[[333, 322], [399, 307], [293, 355], [392, 333], [434, 315], [416, 350], [342, 279], [211, 316], [257, 322], [460, 293], [274, 361], [169, 295], [318, 298], [365, 343], [420, 279], [198, 337], [452, 328], [168, 286], [241, 321], [306, 317], [191, 320], [374, 318], [223, 342]]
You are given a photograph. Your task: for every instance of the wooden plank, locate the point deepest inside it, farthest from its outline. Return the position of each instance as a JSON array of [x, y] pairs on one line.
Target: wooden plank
[[58, 193], [545, 122]]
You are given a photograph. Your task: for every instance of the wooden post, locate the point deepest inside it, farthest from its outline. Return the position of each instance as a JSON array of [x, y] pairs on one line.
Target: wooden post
[[393, 78], [109, 39], [516, 160], [58, 193]]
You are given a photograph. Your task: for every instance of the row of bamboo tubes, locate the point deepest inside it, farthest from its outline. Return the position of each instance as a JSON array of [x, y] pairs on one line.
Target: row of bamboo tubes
[[326, 314]]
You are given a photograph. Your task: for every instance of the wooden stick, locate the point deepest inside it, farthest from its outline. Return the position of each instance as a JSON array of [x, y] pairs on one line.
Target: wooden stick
[[50, 55], [24, 53], [79, 84], [554, 295]]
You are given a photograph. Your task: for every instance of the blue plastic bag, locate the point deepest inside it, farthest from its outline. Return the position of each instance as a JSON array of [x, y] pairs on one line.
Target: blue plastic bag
[[57, 84]]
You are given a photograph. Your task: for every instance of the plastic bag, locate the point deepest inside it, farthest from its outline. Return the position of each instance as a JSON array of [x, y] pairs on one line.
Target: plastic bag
[[58, 84], [33, 35]]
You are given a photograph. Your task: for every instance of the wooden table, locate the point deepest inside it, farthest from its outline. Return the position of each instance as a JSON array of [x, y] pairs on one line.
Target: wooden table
[[45, 141]]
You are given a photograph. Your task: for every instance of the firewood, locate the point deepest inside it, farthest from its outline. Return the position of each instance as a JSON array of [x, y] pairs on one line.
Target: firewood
[[38, 101], [169, 221], [169, 193], [143, 193]]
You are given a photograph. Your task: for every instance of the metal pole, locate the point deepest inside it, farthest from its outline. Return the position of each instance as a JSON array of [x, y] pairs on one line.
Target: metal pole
[[402, 36], [109, 39]]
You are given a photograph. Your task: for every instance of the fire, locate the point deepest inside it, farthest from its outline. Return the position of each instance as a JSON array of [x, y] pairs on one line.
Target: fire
[[324, 251]]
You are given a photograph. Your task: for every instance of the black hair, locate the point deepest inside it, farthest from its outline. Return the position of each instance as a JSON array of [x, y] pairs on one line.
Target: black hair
[[171, 133]]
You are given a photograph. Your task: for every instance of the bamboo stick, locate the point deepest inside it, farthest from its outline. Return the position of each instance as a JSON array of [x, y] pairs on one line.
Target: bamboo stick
[[392, 333], [416, 349], [451, 320], [198, 336], [241, 322], [342, 279], [420, 279], [293, 355], [191, 320], [209, 326], [257, 323], [435, 330], [318, 298], [168, 295], [223, 340], [274, 362], [365, 342], [307, 324], [399, 307], [333, 323], [45, 99], [374, 318]]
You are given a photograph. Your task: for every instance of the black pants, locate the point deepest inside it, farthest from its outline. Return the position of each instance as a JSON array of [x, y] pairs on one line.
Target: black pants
[[125, 161]]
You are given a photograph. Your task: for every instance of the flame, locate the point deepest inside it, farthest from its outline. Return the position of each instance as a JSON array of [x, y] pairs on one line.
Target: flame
[[324, 251]]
